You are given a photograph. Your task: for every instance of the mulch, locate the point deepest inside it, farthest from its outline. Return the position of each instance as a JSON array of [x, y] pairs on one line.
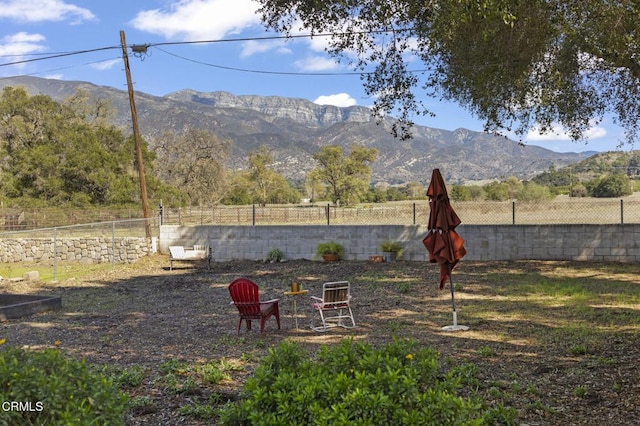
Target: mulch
[[143, 314]]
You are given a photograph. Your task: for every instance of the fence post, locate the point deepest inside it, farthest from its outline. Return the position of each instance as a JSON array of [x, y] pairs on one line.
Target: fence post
[[622, 212], [113, 244], [513, 212], [55, 254], [253, 215], [414, 213], [328, 214]]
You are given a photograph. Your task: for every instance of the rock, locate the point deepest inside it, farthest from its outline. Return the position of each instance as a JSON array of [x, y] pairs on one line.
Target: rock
[[32, 276]]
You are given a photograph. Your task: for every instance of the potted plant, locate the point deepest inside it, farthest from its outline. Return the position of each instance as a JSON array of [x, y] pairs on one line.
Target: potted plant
[[330, 251], [391, 250], [275, 255]]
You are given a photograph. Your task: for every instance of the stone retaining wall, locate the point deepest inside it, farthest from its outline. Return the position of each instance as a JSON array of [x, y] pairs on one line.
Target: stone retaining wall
[[83, 250]]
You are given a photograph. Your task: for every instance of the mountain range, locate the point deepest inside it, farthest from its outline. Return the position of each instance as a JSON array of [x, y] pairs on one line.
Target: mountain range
[[294, 129]]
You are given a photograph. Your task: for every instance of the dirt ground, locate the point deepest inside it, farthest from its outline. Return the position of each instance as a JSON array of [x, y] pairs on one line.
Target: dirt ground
[[144, 314]]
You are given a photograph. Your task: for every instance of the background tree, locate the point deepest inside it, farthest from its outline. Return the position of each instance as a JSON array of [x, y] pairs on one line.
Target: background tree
[[579, 190], [50, 155], [347, 177], [516, 64], [376, 194], [94, 110], [477, 192], [616, 185], [283, 192], [554, 178], [260, 173], [531, 191], [395, 193], [313, 186], [514, 186], [194, 161], [496, 191], [416, 190], [239, 192], [266, 184], [460, 193], [260, 183]]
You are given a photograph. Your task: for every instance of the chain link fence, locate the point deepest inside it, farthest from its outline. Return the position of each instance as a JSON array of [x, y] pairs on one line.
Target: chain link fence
[[89, 245], [135, 228], [564, 211], [19, 219]]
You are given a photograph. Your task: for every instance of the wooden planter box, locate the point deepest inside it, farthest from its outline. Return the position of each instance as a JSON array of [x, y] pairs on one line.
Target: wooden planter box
[[20, 305]]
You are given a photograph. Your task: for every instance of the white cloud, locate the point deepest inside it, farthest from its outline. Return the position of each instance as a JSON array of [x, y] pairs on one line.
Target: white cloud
[[43, 10], [558, 133], [316, 63], [253, 47], [17, 46], [105, 65], [23, 37], [339, 99], [596, 132], [199, 19], [318, 44]]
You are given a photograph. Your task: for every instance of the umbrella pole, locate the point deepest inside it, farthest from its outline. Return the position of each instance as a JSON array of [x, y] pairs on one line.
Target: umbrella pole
[[453, 300]]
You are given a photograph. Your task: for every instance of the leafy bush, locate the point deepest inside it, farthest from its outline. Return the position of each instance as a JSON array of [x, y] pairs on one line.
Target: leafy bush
[[275, 255], [460, 193], [56, 390], [579, 190], [330, 247], [389, 246], [531, 191], [355, 383], [612, 186]]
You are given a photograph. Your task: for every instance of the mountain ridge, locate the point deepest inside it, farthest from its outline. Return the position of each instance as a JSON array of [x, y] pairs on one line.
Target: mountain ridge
[[293, 129]]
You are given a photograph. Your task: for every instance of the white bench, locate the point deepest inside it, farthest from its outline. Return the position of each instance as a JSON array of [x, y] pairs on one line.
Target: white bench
[[195, 254]]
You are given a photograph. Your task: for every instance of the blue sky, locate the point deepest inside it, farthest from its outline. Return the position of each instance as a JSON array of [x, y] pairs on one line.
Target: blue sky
[[31, 29]]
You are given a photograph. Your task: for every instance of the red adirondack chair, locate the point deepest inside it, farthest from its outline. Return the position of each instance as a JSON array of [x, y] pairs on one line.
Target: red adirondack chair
[[245, 297]]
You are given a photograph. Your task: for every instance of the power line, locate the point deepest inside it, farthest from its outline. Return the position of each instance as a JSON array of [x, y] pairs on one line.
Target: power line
[[280, 37], [231, 40], [58, 55], [61, 68], [260, 71]]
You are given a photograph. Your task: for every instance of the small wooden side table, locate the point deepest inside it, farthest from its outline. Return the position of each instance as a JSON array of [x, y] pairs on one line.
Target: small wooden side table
[[293, 295]]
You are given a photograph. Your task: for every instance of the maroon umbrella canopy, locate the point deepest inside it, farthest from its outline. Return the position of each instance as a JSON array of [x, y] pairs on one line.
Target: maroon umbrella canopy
[[443, 243]]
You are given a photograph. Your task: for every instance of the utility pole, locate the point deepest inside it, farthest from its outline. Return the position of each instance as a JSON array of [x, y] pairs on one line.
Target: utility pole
[[136, 138]]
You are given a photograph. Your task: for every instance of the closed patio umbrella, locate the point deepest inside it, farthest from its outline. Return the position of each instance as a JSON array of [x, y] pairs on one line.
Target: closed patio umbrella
[[443, 243]]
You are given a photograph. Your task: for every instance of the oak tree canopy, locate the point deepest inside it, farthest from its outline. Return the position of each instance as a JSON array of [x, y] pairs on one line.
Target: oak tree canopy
[[516, 64]]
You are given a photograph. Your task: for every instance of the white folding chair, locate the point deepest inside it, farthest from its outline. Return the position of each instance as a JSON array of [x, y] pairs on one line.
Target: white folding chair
[[334, 307]]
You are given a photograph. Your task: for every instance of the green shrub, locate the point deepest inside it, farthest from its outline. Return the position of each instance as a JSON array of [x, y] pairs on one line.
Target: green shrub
[[330, 247], [275, 255], [61, 390], [389, 246], [355, 383], [124, 376]]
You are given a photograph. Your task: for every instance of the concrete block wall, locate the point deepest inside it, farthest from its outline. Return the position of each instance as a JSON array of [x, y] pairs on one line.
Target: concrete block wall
[[297, 242], [619, 243]]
